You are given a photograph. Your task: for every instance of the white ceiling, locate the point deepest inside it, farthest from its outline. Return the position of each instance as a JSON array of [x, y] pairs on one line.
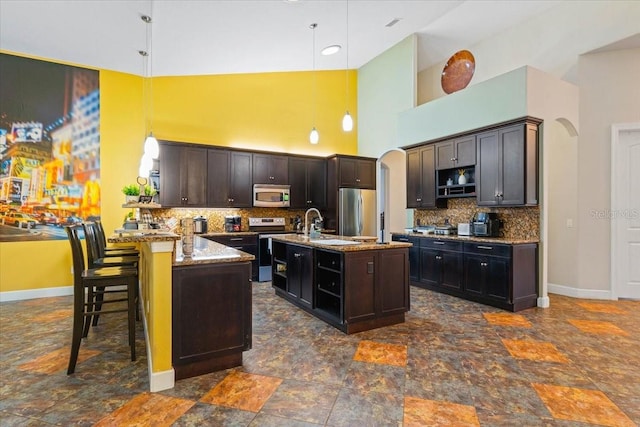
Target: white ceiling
[[245, 36]]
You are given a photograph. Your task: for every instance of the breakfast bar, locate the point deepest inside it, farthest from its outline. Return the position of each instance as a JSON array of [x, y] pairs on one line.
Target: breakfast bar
[[197, 310]]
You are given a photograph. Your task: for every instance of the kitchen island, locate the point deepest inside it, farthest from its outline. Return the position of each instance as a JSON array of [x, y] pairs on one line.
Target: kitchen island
[[352, 285], [197, 310]]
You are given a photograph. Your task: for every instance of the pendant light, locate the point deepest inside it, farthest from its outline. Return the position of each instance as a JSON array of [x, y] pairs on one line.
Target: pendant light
[[314, 136], [150, 143], [347, 120]]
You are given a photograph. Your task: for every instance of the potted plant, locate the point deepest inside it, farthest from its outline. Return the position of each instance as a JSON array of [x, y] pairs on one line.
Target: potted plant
[[131, 193]]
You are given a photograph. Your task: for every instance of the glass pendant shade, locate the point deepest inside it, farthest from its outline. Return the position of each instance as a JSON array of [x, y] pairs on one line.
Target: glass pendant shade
[[347, 122], [146, 163], [314, 136], [151, 146]]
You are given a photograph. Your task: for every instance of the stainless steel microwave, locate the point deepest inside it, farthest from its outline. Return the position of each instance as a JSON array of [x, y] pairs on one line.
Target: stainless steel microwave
[[271, 196]]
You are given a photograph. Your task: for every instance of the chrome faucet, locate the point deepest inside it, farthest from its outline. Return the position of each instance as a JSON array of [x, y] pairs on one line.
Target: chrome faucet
[[306, 214]]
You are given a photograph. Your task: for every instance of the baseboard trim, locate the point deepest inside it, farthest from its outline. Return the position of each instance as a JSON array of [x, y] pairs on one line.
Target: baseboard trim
[[543, 302], [577, 292], [59, 291], [158, 381]]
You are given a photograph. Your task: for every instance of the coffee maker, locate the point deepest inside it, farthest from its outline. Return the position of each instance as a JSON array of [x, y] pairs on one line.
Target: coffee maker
[[486, 224], [232, 223]]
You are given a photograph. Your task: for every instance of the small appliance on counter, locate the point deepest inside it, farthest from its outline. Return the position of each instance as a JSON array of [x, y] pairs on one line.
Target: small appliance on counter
[[232, 223], [465, 229], [445, 229], [486, 224], [199, 225]]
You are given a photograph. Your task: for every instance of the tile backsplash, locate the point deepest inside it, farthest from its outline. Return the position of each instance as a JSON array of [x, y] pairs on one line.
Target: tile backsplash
[[519, 222]]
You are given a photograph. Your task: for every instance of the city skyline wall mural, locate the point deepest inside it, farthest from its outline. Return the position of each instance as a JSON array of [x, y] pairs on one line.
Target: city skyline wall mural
[[49, 148]]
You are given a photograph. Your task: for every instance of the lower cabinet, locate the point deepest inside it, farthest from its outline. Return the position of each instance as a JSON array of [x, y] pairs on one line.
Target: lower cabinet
[[353, 291], [211, 317], [496, 274]]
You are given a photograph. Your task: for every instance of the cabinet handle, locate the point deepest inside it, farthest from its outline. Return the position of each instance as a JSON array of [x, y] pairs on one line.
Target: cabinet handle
[[297, 255], [402, 239], [235, 239], [489, 248], [357, 179], [483, 264], [370, 268], [418, 200], [438, 243]]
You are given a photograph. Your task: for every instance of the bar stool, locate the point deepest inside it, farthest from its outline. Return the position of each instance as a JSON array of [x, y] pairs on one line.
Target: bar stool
[[90, 283]]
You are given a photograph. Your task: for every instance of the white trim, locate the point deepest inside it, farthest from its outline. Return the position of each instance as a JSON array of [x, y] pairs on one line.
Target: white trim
[[616, 129], [570, 291], [59, 291], [543, 302], [158, 381]]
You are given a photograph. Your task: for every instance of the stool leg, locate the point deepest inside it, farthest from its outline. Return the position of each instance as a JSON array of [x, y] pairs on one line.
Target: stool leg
[[78, 318], [98, 306], [90, 307], [132, 316]]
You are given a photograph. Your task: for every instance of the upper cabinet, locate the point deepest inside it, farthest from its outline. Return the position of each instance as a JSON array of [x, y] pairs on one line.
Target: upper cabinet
[[308, 180], [229, 179], [456, 153], [355, 172], [421, 177], [183, 175], [270, 169], [507, 170]]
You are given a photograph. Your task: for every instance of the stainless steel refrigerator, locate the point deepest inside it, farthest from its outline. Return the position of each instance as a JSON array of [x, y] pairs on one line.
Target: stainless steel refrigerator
[[358, 212]]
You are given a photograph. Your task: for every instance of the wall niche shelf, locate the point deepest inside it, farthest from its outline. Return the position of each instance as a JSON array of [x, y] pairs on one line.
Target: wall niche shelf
[[448, 187]]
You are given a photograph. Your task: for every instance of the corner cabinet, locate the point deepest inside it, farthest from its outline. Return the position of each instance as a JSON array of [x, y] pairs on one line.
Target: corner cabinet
[[183, 175], [354, 172], [507, 169], [421, 178], [211, 317]]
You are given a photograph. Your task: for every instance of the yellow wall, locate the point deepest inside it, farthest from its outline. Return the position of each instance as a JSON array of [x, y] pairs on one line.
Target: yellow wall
[[271, 111]]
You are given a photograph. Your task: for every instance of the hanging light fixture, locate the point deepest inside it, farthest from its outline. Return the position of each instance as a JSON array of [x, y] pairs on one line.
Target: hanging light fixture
[[347, 120], [314, 136], [150, 143]]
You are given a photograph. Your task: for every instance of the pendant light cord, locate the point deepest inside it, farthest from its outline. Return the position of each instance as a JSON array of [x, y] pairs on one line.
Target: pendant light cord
[[347, 52], [315, 77]]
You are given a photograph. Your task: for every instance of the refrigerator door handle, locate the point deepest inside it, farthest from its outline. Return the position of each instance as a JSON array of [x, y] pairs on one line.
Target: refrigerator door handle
[[360, 214]]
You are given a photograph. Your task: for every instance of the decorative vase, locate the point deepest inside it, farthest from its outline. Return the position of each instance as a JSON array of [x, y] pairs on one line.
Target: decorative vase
[[462, 179], [449, 181], [130, 199]]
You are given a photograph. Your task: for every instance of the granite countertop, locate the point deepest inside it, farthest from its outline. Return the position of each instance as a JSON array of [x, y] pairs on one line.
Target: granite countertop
[[455, 237], [323, 241], [136, 236], [207, 252], [226, 233]]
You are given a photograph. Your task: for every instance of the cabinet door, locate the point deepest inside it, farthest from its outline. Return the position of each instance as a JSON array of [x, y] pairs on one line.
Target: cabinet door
[[270, 169], [317, 183], [293, 271], [298, 182], [170, 169], [366, 174], [475, 274], [218, 178], [452, 270], [240, 180], [414, 179], [360, 295], [497, 286], [306, 276], [430, 267], [347, 172], [194, 176], [465, 151], [512, 165], [428, 177], [445, 156], [488, 171], [392, 265], [279, 170]]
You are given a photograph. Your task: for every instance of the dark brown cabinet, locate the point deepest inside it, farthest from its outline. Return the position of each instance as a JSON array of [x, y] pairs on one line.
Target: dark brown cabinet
[[414, 255], [244, 243], [229, 178], [354, 172], [421, 178], [496, 274], [506, 173], [183, 172], [211, 317], [270, 169], [308, 180], [300, 274], [456, 153], [441, 263]]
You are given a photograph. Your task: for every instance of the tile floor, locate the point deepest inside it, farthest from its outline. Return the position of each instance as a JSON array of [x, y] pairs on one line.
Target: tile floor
[[452, 362]]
